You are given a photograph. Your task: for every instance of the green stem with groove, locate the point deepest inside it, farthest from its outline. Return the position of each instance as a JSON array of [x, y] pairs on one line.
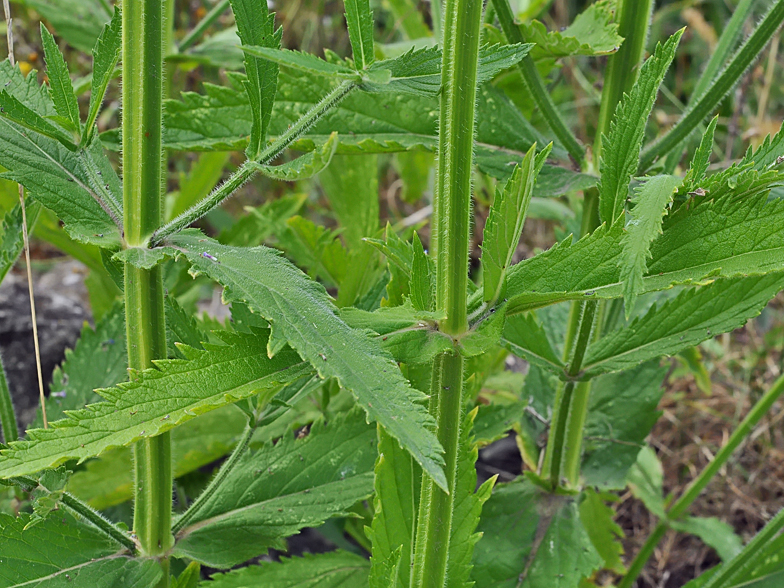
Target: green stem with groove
[[535, 84], [142, 98], [248, 169], [203, 25], [462, 20], [721, 86], [679, 508], [8, 424]]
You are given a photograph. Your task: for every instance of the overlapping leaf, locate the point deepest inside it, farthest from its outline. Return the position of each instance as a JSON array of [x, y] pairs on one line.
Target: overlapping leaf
[[303, 167], [60, 83], [106, 53], [302, 314], [274, 492], [526, 337], [157, 400]]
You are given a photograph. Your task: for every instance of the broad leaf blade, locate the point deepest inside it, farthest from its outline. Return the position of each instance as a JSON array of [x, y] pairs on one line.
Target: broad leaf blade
[[157, 400], [106, 54], [359, 19], [276, 491], [526, 337], [604, 532], [651, 200], [302, 314], [60, 80], [621, 149]]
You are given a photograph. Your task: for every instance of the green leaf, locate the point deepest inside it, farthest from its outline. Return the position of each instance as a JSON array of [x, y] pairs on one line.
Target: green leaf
[[701, 158], [188, 578], [539, 394], [157, 400], [79, 22], [423, 294], [316, 248], [359, 19], [605, 534], [651, 200], [203, 176], [11, 235], [302, 314], [62, 551], [694, 316], [336, 569], [504, 224], [60, 80], [621, 151], [256, 27], [714, 533], [591, 33], [17, 112], [646, 481], [276, 491], [526, 337], [303, 167], [303, 62], [621, 413], [106, 54]]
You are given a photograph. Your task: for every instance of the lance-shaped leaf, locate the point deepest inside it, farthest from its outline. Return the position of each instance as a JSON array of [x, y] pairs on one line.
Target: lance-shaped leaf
[[303, 167], [276, 491], [336, 569], [157, 400], [692, 317], [701, 158], [651, 200], [301, 313], [505, 223], [526, 337], [106, 53], [621, 149], [256, 26], [60, 81], [359, 19], [62, 550], [422, 278], [11, 109], [306, 62]]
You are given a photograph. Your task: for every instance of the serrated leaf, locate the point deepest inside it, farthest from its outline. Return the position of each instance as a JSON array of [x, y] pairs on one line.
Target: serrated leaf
[[591, 33], [714, 533], [701, 158], [18, 113], [47, 495], [276, 491], [484, 334], [303, 167], [651, 200], [646, 481], [256, 27], [359, 19], [306, 62], [60, 80], [64, 551], [316, 248], [79, 22], [621, 413], [157, 400], [526, 337], [336, 569], [106, 54], [692, 317], [302, 314], [604, 532], [621, 149]]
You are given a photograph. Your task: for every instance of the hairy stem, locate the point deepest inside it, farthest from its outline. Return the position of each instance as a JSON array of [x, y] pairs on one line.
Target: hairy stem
[[679, 508], [719, 88], [536, 85], [143, 79], [248, 169]]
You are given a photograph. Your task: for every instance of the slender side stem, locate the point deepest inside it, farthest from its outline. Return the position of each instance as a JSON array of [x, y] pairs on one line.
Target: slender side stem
[[8, 424], [695, 114], [203, 25], [680, 507], [143, 79], [216, 482], [249, 168], [536, 85]]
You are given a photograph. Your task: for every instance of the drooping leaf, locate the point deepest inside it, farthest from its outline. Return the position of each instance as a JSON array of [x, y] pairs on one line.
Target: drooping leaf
[[79, 22], [621, 149], [359, 19], [303, 167], [276, 491], [526, 337], [306, 62], [106, 54], [336, 569], [692, 317], [63, 551], [621, 414], [256, 27], [302, 314], [605, 534], [701, 158], [157, 400], [651, 200], [60, 81]]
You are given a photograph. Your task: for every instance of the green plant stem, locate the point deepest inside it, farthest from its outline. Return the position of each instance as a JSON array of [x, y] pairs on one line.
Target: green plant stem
[[203, 25], [679, 508], [718, 89], [8, 424], [216, 482], [143, 78], [77, 506], [536, 85], [249, 168]]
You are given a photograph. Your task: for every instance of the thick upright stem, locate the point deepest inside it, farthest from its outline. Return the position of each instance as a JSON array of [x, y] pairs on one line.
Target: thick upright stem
[[143, 80]]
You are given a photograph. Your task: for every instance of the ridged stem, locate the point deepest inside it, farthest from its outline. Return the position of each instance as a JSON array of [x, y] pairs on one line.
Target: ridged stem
[[679, 508], [719, 88], [535, 84], [142, 97], [10, 428]]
